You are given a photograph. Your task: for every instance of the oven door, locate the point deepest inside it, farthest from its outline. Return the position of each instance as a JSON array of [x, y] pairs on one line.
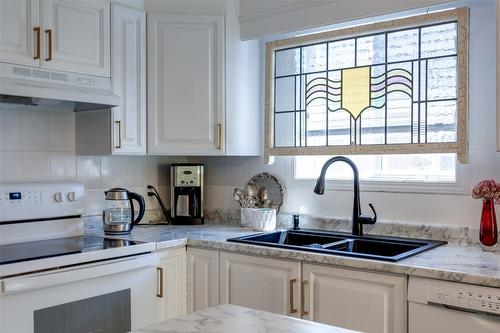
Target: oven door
[[112, 296]]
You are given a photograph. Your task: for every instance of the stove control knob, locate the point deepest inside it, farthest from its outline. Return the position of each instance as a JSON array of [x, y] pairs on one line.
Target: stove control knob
[[58, 197], [71, 196]]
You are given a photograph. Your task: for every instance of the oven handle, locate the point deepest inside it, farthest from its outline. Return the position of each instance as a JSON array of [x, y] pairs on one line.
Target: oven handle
[[77, 273]]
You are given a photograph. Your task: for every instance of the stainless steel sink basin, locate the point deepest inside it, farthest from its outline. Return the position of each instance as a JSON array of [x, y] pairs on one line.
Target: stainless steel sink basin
[[370, 247]]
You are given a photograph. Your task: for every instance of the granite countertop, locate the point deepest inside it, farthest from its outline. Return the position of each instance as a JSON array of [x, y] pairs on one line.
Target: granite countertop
[[458, 263], [230, 318]]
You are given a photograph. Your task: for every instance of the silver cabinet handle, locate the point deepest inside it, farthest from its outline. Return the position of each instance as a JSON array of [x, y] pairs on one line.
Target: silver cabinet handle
[[37, 52], [219, 139], [49, 40], [302, 298], [292, 309], [159, 293], [119, 133]]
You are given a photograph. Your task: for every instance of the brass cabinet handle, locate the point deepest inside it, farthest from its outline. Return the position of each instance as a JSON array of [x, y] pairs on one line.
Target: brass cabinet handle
[[292, 309], [219, 130], [119, 133], [49, 40], [302, 298], [37, 52], [159, 270]]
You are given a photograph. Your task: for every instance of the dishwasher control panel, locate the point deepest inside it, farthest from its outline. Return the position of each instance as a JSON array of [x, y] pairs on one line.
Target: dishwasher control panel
[[473, 298]]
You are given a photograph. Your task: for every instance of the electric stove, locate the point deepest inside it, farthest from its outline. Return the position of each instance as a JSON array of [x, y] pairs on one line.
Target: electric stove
[[41, 228]]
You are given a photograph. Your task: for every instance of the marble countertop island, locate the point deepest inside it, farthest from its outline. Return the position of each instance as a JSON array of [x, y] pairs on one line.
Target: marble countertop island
[[451, 262], [230, 318]]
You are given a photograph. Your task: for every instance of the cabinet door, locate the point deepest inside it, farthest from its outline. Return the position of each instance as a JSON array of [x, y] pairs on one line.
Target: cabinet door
[[18, 35], [362, 301], [186, 84], [129, 80], [203, 278], [172, 302], [260, 283], [76, 35]]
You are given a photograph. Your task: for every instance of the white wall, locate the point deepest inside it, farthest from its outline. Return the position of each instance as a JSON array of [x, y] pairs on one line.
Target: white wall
[[182, 6], [264, 18], [40, 146], [226, 173]]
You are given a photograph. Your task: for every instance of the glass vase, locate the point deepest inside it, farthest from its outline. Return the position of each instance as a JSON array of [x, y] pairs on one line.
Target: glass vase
[[488, 232]]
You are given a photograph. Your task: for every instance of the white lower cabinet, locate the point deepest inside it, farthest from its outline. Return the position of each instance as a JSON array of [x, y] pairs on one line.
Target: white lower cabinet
[[260, 283], [353, 299], [357, 300], [202, 278], [171, 296]]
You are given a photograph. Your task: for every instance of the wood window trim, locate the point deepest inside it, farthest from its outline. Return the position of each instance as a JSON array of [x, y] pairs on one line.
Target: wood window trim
[[460, 147]]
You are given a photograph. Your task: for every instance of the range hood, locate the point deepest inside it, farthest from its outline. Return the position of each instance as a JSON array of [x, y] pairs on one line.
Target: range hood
[[39, 89]]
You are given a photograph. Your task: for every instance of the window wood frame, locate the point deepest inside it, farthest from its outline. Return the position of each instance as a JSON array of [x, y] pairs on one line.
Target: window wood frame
[[460, 146]]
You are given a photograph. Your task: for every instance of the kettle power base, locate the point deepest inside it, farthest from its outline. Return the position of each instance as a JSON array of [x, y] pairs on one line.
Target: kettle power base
[[187, 221], [117, 232]]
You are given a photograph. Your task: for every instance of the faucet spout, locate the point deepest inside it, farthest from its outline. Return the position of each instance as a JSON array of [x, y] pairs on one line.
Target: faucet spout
[[357, 219]]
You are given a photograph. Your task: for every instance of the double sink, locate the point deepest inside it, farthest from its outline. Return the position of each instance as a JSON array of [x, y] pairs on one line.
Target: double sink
[[338, 243]]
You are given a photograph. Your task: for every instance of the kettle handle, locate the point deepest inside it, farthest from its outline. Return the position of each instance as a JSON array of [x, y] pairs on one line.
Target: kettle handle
[[142, 206]]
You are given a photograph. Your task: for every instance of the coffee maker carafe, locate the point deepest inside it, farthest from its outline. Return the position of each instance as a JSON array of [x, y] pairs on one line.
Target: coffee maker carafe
[[118, 217], [187, 193]]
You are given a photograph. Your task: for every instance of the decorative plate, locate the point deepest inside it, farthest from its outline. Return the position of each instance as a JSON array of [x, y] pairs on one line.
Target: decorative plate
[[273, 186]]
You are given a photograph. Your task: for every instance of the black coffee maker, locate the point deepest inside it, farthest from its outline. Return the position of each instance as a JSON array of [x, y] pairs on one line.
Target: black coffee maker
[[186, 193]]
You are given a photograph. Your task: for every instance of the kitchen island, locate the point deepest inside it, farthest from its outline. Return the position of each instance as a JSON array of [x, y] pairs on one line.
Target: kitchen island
[[227, 318]]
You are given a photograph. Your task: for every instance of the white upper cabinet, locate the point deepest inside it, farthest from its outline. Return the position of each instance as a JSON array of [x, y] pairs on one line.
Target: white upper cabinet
[[129, 80], [66, 35], [203, 81], [186, 84], [77, 36], [20, 32]]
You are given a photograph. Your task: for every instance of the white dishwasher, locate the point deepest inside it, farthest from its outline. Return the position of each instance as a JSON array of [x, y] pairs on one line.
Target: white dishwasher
[[436, 306]]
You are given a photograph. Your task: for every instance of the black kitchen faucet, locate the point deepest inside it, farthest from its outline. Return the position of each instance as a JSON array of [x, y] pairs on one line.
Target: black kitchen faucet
[[357, 218]]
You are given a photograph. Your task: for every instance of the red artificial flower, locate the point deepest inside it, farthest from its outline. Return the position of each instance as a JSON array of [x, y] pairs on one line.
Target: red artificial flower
[[487, 190]]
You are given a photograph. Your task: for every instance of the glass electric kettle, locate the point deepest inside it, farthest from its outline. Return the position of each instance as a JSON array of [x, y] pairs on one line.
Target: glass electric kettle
[[118, 217]]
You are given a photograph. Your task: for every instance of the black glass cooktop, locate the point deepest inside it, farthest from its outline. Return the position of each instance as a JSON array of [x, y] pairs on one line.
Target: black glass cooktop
[[18, 252]]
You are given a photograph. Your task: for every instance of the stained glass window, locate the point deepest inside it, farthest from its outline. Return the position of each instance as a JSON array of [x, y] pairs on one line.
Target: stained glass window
[[394, 87]]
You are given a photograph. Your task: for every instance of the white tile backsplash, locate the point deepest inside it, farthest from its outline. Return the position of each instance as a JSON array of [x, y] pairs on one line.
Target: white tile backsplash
[[133, 171], [10, 166], [35, 166], [35, 131], [62, 131], [62, 166], [40, 146], [10, 130], [112, 171], [88, 171]]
